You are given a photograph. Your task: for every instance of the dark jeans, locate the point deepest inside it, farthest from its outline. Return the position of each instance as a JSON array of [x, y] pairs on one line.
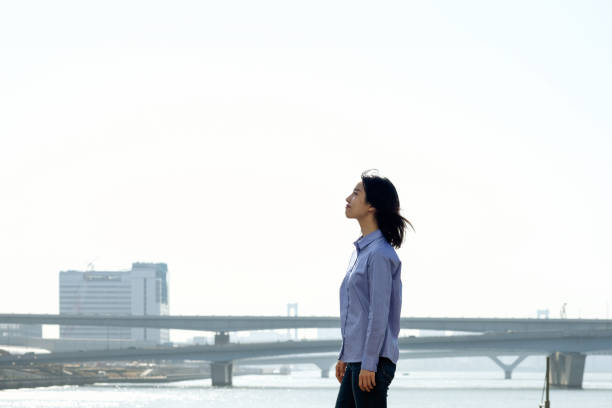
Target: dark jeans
[[351, 396]]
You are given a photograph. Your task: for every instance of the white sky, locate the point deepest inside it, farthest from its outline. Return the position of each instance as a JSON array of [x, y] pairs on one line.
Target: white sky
[[222, 138]]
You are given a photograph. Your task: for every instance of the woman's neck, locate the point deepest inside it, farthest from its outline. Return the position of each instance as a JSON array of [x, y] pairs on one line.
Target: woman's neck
[[368, 225]]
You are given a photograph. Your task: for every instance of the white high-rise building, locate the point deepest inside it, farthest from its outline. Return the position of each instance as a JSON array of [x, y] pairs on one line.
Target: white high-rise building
[[143, 290]]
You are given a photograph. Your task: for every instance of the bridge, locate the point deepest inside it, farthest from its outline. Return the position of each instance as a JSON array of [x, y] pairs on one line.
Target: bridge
[[484, 344], [221, 324], [568, 340]]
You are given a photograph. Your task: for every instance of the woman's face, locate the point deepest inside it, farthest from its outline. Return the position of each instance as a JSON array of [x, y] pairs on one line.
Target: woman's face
[[356, 206]]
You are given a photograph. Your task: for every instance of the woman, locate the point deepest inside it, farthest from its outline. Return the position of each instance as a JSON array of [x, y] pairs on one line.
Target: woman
[[371, 295]]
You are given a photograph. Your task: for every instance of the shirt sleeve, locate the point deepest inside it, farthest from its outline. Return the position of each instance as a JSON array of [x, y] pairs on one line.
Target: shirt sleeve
[[380, 278]]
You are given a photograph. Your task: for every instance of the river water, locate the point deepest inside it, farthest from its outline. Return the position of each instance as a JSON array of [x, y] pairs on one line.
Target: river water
[[425, 389]]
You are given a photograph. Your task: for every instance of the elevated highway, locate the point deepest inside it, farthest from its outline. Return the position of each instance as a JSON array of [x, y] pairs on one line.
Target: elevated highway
[[569, 349], [568, 340], [484, 344], [220, 324]]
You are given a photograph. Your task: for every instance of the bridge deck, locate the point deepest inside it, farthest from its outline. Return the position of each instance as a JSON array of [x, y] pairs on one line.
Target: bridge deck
[[250, 323], [494, 343]]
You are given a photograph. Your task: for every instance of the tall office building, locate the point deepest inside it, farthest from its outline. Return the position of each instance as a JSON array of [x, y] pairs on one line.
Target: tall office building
[[143, 290]]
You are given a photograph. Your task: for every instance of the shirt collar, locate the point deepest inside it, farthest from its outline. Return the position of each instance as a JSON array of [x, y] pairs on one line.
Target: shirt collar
[[364, 241]]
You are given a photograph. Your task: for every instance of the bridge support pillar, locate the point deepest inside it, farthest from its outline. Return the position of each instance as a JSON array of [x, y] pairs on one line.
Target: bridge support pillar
[[567, 369], [221, 373], [221, 338], [508, 368], [324, 366]]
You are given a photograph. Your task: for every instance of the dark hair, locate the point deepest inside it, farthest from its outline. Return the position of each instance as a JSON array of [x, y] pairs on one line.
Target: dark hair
[[381, 194]]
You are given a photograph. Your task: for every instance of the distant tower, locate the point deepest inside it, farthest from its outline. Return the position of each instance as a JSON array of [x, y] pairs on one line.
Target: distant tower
[[563, 311], [292, 307], [543, 313]]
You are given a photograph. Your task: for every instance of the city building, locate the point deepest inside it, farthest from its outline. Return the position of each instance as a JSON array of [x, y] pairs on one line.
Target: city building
[[20, 330], [143, 290]]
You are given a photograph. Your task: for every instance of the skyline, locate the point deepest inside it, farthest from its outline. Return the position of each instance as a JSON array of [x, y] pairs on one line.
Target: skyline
[[222, 140]]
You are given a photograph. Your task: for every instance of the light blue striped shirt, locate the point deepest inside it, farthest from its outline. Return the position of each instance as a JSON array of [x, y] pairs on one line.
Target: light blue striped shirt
[[371, 302]]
